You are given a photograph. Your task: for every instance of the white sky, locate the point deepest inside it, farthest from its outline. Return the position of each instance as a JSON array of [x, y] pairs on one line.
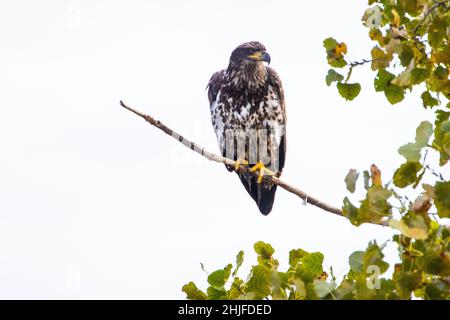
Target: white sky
[[94, 203]]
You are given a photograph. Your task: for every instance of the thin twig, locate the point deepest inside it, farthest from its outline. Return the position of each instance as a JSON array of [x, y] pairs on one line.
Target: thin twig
[[349, 74], [353, 64], [434, 173], [360, 63], [434, 7], [242, 168]]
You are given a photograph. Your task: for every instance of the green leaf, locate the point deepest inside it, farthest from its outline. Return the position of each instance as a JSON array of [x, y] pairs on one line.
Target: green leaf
[[295, 255], [411, 7], [375, 206], [216, 293], [313, 263], [419, 75], [432, 263], [436, 32], [304, 274], [349, 91], [406, 283], [260, 282], [423, 133], [279, 291], [406, 55], [236, 289], [356, 261], [383, 80], [441, 73], [323, 288], [330, 43], [438, 290], [442, 198], [350, 180], [428, 100], [333, 76], [265, 252], [441, 116], [263, 249], [442, 138], [411, 151], [299, 292], [239, 261], [219, 277], [366, 179], [373, 256], [351, 212], [394, 94], [407, 174], [337, 63], [193, 293]]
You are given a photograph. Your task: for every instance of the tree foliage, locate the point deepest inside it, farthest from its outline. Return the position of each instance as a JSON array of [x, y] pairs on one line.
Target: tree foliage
[[411, 50]]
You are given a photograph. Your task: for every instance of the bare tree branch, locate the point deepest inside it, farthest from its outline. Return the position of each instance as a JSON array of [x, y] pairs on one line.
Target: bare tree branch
[[242, 168]]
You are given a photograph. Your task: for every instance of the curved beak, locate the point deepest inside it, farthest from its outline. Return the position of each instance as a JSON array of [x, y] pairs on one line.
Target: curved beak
[[260, 56], [266, 57]]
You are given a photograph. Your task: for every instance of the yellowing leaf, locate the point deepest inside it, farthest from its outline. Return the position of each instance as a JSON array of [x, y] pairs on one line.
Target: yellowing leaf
[[442, 55], [376, 35], [414, 232], [376, 175], [334, 52], [193, 293], [340, 49], [404, 79], [397, 19], [379, 58], [429, 190], [394, 46]]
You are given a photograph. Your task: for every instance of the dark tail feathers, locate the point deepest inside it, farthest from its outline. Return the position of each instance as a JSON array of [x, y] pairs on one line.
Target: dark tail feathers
[[262, 193]]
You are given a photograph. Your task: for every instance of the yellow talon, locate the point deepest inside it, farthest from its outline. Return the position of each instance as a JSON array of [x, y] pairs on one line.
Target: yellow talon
[[257, 166], [239, 163], [260, 177], [262, 171]]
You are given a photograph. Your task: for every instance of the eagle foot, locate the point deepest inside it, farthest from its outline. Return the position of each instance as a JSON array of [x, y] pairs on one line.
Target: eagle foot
[[262, 171], [239, 163]]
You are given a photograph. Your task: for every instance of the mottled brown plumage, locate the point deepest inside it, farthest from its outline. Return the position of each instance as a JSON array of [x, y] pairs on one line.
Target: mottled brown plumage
[[247, 102]]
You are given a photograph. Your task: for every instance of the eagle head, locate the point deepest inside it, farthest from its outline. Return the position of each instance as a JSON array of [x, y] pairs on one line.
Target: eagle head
[[252, 52], [246, 66]]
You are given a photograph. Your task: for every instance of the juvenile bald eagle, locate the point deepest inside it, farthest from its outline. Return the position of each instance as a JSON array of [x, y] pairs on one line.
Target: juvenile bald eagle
[[248, 115]]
